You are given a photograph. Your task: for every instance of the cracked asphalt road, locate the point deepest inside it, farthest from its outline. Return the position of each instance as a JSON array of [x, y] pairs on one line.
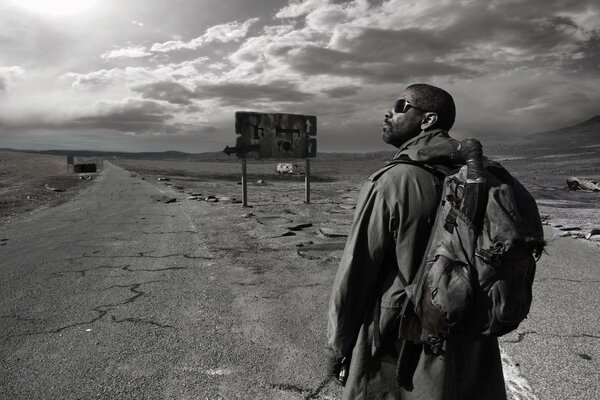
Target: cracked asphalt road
[[117, 296]]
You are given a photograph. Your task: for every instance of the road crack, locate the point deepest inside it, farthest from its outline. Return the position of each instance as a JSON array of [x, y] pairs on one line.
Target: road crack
[[568, 280], [522, 335], [140, 321], [103, 310], [142, 254], [123, 267], [308, 393]]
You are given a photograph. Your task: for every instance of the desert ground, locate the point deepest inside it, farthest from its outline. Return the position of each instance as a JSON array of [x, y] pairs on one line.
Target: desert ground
[[184, 293]]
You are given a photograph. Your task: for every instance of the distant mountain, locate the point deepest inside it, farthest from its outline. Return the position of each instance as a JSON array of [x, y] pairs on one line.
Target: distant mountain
[[588, 130], [208, 156]]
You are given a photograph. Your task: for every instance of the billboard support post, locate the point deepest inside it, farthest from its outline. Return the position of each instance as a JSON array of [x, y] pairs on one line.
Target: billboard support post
[[307, 182], [244, 184]]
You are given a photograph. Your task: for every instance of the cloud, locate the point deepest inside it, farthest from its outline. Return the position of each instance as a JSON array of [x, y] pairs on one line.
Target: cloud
[[223, 33], [126, 52], [171, 92], [297, 9], [341, 91], [135, 75], [9, 76], [246, 94], [130, 115]]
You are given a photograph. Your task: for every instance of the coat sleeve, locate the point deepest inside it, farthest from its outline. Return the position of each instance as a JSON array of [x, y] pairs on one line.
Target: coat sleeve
[[359, 269]]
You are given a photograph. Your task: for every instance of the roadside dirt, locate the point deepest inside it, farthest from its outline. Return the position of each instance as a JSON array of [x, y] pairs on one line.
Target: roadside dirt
[[29, 182]]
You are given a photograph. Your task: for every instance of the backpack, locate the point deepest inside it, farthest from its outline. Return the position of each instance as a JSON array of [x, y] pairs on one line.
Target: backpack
[[477, 271]]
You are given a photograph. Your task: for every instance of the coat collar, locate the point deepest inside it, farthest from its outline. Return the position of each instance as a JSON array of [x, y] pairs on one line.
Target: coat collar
[[434, 146]]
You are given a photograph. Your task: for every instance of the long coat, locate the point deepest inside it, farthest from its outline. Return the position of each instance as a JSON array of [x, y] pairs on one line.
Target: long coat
[[394, 215]]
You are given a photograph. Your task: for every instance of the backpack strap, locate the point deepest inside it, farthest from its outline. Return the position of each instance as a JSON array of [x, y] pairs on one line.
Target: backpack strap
[[439, 171]]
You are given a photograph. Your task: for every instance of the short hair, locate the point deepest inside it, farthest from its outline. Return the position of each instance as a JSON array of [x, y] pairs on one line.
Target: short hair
[[437, 100]]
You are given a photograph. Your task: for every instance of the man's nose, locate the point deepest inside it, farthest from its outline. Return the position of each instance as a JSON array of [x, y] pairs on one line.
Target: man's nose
[[388, 115]]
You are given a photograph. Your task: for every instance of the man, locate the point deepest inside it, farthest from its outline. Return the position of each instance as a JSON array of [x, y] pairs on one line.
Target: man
[[394, 216]]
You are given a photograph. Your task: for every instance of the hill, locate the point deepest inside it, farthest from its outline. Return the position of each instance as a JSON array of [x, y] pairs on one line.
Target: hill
[[586, 130]]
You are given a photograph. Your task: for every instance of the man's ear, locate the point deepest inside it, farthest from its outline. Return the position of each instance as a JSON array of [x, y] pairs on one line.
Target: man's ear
[[429, 119]]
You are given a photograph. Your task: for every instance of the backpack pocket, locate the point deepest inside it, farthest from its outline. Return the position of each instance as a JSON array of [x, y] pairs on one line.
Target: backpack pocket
[[510, 304], [447, 297]]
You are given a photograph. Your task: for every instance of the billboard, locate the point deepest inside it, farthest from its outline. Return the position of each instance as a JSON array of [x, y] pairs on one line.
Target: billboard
[[275, 135]]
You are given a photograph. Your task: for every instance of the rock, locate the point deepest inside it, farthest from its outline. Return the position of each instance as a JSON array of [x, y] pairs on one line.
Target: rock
[[53, 189], [329, 232], [570, 228], [260, 182], [300, 226], [347, 206], [192, 198], [163, 199], [591, 233], [211, 199], [164, 179], [248, 215]]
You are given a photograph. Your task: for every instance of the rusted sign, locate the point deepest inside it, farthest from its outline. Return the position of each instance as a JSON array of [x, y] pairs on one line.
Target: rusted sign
[[275, 135]]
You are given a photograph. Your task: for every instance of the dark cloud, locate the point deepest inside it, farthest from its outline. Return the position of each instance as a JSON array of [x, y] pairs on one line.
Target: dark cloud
[[312, 60], [238, 93], [132, 116], [171, 92]]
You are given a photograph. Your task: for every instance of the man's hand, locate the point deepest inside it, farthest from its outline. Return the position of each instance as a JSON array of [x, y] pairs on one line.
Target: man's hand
[[334, 365]]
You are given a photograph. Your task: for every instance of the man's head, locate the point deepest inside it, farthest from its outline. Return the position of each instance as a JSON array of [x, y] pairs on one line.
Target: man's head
[[420, 108]]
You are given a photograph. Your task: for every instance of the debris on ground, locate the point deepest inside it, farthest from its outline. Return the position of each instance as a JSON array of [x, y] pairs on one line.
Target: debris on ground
[[260, 182], [163, 199], [329, 232], [53, 189], [593, 232], [319, 250], [586, 185], [570, 228], [300, 226], [211, 199], [163, 179]]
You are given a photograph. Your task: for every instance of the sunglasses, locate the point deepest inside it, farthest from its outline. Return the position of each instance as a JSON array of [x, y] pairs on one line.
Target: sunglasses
[[402, 105]]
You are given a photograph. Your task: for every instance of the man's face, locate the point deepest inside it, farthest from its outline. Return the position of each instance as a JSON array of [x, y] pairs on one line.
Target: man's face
[[399, 127]]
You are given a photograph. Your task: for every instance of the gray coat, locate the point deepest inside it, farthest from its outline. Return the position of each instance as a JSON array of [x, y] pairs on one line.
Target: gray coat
[[394, 214]]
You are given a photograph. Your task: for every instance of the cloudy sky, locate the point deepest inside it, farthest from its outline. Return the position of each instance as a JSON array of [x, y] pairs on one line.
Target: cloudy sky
[[150, 75]]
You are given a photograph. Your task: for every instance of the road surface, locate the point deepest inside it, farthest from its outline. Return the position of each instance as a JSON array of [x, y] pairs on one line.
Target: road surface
[[117, 296]]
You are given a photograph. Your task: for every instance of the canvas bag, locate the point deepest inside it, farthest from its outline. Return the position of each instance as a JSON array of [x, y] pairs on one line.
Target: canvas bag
[[477, 272]]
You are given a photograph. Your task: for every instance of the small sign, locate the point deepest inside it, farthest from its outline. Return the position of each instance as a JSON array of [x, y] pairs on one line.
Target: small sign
[[275, 135]]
